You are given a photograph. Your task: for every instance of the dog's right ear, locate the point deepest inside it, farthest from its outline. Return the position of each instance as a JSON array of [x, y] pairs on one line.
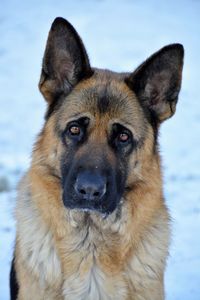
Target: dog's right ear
[[65, 61]]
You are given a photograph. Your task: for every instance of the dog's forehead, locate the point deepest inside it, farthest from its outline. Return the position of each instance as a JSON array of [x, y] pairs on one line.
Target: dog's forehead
[[103, 95]]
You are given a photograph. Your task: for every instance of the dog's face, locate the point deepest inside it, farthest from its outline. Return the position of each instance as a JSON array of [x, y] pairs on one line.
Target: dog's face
[[104, 124], [98, 135]]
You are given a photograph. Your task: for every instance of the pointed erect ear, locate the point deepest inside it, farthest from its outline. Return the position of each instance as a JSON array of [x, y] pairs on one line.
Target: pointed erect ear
[[157, 81], [65, 61]]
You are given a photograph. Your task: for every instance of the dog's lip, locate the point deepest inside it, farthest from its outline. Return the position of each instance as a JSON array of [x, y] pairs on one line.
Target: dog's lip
[[87, 207]]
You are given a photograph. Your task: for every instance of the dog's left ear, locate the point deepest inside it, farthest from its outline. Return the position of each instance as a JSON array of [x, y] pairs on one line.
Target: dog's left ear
[[157, 81], [65, 61]]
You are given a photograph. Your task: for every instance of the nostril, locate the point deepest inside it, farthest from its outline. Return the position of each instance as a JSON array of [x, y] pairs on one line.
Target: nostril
[[96, 194], [82, 191]]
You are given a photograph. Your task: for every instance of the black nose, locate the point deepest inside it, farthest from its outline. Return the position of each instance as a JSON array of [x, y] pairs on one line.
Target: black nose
[[90, 186]]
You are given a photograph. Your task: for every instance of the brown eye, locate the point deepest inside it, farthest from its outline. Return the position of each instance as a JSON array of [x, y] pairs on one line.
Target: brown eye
[[123, 137], [75, 130]]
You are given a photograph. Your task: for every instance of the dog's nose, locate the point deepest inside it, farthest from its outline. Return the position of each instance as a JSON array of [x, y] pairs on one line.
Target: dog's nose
[[90, 186]]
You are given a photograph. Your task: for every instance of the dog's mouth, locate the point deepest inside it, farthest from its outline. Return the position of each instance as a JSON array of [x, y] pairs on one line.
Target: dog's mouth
[[105, 206]]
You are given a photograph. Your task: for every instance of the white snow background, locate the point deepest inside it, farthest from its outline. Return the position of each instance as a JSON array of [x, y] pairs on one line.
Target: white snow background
[[118, 35]]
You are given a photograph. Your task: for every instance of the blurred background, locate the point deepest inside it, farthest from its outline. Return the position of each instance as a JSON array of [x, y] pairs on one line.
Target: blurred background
[[118, 35]]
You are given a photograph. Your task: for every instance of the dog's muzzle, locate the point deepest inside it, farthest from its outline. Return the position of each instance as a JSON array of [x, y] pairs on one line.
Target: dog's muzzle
[[90, 187]]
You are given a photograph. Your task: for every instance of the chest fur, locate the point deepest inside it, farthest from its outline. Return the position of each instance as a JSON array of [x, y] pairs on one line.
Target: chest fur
[[86, 265]]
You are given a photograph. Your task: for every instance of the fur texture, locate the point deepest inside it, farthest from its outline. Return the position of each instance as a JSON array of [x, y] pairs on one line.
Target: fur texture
[[76, 254]]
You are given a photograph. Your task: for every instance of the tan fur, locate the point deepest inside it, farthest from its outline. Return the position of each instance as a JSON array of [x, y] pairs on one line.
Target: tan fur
[[63, 254]]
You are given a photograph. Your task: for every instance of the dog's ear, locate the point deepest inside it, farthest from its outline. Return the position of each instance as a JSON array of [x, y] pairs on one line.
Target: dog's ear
[[157, 81], [65, 61]]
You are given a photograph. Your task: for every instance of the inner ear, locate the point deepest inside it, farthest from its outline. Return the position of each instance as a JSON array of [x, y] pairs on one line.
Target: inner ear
[[65, 61], [157, 81]]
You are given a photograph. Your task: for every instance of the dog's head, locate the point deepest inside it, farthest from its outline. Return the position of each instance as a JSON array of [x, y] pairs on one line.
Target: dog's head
[[100, 134]]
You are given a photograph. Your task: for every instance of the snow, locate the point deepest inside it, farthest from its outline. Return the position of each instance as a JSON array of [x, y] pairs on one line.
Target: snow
[[118, 35]]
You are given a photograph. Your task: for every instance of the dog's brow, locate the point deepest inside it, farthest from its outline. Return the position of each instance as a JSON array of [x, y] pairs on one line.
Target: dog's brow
[[80, 115]]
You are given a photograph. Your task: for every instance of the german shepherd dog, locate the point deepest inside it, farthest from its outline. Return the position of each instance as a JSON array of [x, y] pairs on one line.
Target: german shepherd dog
[[91, 219]]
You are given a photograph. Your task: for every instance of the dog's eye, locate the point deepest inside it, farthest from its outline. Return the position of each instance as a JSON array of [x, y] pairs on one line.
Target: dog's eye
[[123, 137], [74, 130]]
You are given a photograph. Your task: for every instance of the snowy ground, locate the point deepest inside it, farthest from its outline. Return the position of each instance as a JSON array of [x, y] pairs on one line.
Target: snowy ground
[[118, 35]]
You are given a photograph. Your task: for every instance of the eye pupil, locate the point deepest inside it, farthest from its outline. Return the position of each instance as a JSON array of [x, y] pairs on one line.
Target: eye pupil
[[74, 130], [123, 137]]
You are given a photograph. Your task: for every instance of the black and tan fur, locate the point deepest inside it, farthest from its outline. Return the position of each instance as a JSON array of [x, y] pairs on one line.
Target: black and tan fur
[[111, 243]]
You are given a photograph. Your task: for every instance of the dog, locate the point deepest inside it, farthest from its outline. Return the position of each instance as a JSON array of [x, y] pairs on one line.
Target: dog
[[92, 223]]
